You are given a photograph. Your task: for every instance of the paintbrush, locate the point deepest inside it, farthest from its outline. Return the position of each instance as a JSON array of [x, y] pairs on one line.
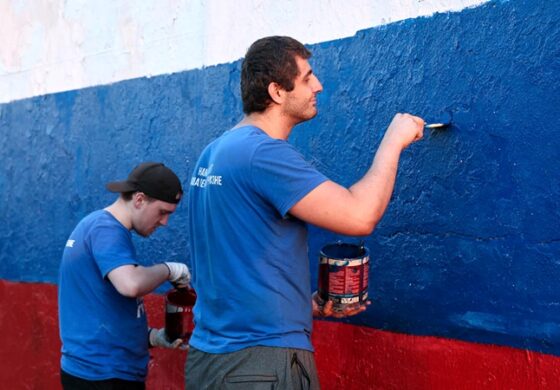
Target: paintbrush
[[437, 125]]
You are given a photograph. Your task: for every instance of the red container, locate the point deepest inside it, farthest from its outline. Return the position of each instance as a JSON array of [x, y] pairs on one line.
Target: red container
[[344, 274], [178, 314]]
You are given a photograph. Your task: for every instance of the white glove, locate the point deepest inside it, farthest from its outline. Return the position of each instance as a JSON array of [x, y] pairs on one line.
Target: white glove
[[158, 338], [179, 274]]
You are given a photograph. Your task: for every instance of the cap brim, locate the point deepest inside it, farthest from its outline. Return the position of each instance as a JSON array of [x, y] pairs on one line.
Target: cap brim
[[120, 186]]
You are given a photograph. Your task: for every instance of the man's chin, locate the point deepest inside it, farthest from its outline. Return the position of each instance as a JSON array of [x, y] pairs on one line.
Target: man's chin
[[313, 111], [145, 234], [311, 115], [308, 116]]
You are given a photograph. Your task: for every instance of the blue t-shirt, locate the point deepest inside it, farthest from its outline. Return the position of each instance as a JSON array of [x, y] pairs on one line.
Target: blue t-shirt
[[249, 257], [104, 334]]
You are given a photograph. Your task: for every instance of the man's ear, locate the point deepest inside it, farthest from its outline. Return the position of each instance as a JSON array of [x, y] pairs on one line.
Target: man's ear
[[138, 199], [276, 93]]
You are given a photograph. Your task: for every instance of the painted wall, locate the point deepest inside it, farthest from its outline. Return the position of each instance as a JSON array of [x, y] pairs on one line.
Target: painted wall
[[464, 265], [55, 45]]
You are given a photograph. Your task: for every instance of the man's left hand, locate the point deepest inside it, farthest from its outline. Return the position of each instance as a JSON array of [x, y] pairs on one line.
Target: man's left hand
[[322, 308], [159, 339]]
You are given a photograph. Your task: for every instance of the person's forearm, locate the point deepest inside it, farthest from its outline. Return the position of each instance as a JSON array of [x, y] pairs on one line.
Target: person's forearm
[[149, 278], [136, 281], [357, 210], [373, 192]]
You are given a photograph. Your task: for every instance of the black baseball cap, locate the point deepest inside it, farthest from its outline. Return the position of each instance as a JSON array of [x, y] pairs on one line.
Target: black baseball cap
[[152, 178]]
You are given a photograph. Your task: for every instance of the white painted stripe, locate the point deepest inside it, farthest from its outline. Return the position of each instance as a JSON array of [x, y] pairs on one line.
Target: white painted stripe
[[50, 46]]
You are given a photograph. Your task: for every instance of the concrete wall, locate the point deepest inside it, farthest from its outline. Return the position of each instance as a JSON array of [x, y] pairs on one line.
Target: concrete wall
[[464, 265]]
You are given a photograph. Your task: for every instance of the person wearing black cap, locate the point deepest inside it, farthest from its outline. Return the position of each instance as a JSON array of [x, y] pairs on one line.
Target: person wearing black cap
[[103, 326]]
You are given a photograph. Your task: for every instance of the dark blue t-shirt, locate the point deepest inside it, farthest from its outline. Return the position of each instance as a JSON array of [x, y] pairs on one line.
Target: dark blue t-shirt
[[104, 334], [249, 257]]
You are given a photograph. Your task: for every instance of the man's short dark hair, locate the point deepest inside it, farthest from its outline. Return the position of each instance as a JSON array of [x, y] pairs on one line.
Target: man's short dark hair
[[127, 196], [268, 60]]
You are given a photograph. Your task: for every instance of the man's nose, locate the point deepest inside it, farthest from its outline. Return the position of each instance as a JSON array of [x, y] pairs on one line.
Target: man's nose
[[318, 86], [163, 221]]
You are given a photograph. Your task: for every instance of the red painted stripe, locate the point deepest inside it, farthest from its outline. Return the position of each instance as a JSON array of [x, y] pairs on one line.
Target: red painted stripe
[[29, 342], [167, 367], [352, 357], [348, 357]]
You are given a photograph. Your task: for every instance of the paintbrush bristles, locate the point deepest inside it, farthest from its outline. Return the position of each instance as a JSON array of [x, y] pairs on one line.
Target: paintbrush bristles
[[436, 125]]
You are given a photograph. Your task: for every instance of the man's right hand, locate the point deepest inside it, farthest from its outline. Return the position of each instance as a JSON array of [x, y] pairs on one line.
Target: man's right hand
[[179, 274], [405, 129]]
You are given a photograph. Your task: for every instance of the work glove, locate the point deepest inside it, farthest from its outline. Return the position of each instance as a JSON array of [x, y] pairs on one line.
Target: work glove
[[158, 338], [179, 274]]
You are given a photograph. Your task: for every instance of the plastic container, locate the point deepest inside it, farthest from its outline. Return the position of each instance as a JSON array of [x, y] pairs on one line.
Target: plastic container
[[178, 314]]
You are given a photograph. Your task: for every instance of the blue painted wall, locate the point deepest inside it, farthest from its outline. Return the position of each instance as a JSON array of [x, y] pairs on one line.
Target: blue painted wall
[[469, 247]]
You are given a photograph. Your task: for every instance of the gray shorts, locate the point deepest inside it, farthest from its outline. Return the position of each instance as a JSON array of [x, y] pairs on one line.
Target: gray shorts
[[252, 368]]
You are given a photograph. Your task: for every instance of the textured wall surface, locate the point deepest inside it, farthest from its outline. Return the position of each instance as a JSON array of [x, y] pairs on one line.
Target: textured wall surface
[[50, 46], [470, 245], [469, 248]]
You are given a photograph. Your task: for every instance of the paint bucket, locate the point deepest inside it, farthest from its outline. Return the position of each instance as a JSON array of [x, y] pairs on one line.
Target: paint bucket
[[178, 314], [343, 274]]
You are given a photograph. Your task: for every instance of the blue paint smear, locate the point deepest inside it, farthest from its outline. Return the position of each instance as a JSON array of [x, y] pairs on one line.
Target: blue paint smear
[[469, 247]]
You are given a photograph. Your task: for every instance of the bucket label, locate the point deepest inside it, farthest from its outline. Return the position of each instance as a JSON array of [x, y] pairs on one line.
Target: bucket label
[[344, 274], [347, 280], [178, 314]]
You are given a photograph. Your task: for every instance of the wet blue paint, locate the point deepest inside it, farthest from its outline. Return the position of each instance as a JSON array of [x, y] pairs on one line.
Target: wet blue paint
[[469, 247]]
